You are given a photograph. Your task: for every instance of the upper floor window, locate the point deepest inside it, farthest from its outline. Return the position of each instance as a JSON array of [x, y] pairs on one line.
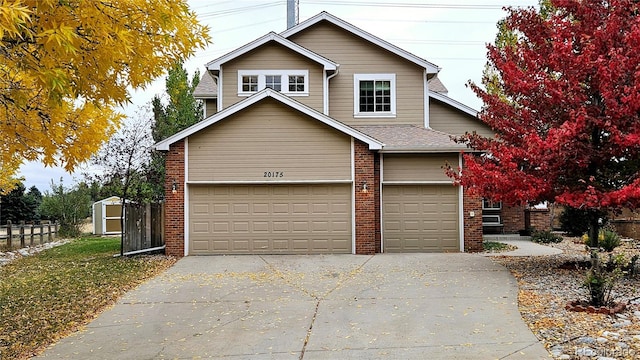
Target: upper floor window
[[296, 83], [290, 82], [250, 83], [273, 82], [374, 95]]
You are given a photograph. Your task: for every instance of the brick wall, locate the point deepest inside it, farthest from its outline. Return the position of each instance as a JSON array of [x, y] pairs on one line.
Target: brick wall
[[472, 225], [512, 218], [365, 202], [540, 219], [377, 201], [174, 203]]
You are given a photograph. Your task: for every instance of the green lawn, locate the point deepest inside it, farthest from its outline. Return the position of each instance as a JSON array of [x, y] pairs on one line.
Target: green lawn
[[49, 295]]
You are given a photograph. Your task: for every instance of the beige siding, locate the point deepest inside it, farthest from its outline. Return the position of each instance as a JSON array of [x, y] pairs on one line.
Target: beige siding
[[420, 218], [271, 219], [269, 142], [359, 56], [417, 167], [273, 56], [444, 118], [210, 107]]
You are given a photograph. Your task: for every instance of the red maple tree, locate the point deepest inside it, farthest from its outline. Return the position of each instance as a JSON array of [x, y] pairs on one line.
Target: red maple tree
[[563, 97]]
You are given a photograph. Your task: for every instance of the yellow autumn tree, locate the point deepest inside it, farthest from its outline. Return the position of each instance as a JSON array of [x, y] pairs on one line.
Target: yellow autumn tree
[[66, 65]]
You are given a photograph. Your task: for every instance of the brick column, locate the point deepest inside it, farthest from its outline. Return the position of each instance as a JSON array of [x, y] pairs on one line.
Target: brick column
[[540, 219], [174, 203], [472, 225], [512, 218], [365, 208], [377, 201]]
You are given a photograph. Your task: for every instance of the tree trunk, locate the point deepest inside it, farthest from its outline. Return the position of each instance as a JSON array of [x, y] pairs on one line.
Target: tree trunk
[[594, 228]]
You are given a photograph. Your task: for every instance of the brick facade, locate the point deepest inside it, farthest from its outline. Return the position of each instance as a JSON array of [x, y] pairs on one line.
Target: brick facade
[[472, 225], [512, 218], [174, 202], [378, 203], [538, 219], [365, 202]]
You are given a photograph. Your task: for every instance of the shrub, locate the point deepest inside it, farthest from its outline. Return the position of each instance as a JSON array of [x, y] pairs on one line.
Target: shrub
[[600, 281], [545, 237], [608, 240], [574, 222]]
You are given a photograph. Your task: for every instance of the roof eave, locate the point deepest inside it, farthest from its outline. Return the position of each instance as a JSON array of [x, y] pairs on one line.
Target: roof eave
[[456, 104], [370, 141], [215, 64]]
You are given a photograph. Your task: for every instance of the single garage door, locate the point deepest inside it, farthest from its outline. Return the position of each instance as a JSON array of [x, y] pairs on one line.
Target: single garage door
[[270, 219], [420, 218]]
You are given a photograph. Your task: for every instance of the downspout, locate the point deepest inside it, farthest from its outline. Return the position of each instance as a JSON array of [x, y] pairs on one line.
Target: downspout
[[426, 100], [219, 88], [326, 93]]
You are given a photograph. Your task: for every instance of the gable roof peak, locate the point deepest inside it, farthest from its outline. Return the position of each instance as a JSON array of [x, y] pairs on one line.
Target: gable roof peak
[[325, 16], [268, 37], [287, 101]]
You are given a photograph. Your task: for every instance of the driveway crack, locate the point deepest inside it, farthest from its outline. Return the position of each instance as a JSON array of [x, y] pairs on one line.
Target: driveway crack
[[306, 338]]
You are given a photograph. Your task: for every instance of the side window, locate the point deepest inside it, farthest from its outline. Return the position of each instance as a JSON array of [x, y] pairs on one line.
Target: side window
[[374, 95], [296, 83], [250, 83]]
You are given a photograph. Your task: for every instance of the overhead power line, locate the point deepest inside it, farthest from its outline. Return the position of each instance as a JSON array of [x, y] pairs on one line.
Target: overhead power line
[[411, 5]]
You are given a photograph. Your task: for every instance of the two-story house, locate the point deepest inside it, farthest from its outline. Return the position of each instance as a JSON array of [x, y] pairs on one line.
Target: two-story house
[[321, 139]]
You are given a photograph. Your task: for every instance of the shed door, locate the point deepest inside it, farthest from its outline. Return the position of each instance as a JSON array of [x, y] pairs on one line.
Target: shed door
[[420, 218], [112, 214], [270, 219]]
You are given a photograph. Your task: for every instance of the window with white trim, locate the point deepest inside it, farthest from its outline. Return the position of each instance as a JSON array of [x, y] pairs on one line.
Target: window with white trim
[[273, 82], [249, 83], [491, 205], [374, 95], [296, 82]]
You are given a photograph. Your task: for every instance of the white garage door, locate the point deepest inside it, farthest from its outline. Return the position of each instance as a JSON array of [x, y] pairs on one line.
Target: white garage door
[[420, 218], [270, 219]]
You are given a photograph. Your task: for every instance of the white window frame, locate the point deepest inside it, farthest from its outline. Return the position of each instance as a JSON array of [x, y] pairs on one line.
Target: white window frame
[[491, 205], [356, 95], [284, 80]]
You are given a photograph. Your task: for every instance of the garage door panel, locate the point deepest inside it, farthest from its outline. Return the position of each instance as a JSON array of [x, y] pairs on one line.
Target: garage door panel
[[201, 227], [221, 227], [420, 218], [247, 219], [201, 209]]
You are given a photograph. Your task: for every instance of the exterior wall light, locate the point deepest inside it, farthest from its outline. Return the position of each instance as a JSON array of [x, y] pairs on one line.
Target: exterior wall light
[[364, 187], [174, 187]]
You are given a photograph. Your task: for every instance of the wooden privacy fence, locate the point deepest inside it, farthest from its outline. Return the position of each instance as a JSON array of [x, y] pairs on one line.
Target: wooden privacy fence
[[20, 233], [143, 228]]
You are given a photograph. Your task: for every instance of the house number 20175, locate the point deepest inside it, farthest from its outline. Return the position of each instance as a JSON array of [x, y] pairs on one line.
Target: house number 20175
[[273, 174]]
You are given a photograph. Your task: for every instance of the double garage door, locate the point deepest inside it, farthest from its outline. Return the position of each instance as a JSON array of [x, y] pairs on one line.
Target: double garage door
[[420, 218], [314, 219], [270, 219]]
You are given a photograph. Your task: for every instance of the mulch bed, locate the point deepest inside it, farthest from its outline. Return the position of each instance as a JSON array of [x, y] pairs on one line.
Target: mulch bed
[[549, 283]]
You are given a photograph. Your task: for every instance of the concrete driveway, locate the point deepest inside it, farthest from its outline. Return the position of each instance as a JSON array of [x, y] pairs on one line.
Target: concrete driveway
[[387, 306]]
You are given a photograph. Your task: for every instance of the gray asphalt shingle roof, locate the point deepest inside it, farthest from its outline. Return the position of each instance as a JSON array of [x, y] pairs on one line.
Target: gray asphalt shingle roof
[[411, 138], [207, 87]]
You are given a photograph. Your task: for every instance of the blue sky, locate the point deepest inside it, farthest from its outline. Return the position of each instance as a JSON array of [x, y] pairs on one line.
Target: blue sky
[[450, 34]]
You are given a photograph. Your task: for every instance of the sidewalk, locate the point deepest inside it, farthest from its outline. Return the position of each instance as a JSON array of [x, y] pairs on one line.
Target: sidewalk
[[525, 247]]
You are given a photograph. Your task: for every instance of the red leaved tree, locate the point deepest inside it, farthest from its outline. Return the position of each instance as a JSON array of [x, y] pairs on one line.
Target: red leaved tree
[[563, 97]]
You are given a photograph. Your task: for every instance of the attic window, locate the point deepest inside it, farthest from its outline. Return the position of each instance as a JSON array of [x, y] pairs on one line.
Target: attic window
[[374, 95], [296, 82], [273, 82]]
